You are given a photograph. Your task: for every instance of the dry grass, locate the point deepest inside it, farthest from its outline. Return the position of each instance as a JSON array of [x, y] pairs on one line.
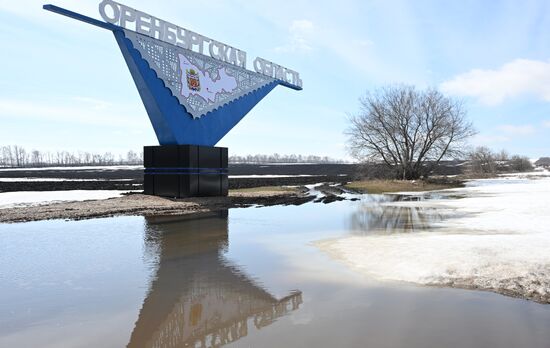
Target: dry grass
[[264, 190], [386, 186]]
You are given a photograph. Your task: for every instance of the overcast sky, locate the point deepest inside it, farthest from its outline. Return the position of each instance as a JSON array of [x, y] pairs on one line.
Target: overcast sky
[[64, 84]]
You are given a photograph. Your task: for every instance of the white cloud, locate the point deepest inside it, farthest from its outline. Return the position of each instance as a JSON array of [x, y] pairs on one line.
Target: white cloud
[[519, 77], [301, 26], [546, 124], [488, 139], [517, 129], [300, 32]]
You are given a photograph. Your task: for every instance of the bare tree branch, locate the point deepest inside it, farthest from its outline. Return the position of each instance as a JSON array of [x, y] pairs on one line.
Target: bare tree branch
[[409, 130]]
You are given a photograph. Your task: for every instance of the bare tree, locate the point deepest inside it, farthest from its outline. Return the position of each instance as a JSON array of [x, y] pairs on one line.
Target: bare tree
[[520, 164], [20, 156], [482, 161], [7, 155], [502, 156], [543, 162], [409, 130], [36, 158], [278, 158], [108, 158], [133, 158]]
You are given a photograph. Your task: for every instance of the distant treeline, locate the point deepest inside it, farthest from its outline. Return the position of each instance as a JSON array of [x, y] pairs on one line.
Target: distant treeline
[[277, 158], [18, 156], [483, 160]]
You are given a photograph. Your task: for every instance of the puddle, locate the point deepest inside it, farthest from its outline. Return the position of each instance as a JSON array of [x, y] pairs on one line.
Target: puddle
[[246, 277]]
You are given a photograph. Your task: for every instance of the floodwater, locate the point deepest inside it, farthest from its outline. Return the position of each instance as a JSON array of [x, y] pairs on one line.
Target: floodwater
[[245, 277]]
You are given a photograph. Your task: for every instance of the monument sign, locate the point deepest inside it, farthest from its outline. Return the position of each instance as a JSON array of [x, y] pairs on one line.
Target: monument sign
[[195, 90]]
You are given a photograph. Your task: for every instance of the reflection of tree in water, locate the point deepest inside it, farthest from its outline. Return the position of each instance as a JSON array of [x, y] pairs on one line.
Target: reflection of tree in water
[[198, 298], [375, 217]]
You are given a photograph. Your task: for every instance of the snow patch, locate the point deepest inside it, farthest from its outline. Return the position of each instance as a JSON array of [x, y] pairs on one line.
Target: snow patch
[[56, 180], [269, 176], [32, 198], [497, 239]]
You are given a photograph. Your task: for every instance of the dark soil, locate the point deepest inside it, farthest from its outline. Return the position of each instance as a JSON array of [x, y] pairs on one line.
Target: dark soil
[[132, 179], [70, 185]]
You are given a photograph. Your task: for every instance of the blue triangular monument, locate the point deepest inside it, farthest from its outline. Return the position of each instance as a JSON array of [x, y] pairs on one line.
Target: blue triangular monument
[[198, 119], [194, 89]]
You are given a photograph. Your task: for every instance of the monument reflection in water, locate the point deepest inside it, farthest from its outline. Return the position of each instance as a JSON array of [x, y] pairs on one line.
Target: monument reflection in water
[[198, 298]]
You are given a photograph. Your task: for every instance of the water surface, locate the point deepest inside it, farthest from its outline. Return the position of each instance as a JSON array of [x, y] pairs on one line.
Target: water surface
[[245, 277]]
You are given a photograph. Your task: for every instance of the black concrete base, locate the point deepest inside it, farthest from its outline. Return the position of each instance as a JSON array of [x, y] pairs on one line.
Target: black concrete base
[[185, 171]]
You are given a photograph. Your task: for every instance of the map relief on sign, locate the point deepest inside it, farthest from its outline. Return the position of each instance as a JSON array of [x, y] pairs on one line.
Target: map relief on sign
[[203, 84], [200, 83]]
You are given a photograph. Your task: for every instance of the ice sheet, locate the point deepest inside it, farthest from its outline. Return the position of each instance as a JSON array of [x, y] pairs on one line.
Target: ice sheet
[[498, 240]]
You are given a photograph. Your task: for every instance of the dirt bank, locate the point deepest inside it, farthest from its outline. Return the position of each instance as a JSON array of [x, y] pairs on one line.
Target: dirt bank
[[139, 204]]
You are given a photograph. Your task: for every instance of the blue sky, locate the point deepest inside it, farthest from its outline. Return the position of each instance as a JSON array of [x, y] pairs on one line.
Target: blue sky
[[64, 84]]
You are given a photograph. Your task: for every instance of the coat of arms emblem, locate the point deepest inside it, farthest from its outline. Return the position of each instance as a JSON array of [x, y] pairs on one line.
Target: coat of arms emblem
[[193, 81]]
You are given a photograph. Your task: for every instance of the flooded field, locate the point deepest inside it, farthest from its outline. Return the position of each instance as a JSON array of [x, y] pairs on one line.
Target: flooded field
[[257, 277]]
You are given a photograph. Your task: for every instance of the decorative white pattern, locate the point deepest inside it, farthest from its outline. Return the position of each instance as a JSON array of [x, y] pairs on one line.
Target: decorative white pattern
[[210, 84]]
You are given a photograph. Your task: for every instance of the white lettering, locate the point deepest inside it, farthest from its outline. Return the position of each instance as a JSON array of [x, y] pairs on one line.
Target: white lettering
[[198, 40], [218, 48], [157, 28], [145, 24], [258, 65], [184, 39], [127, 15], [231, 56], [241, 56], [170, 33], [277, 72], [114, 9]]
